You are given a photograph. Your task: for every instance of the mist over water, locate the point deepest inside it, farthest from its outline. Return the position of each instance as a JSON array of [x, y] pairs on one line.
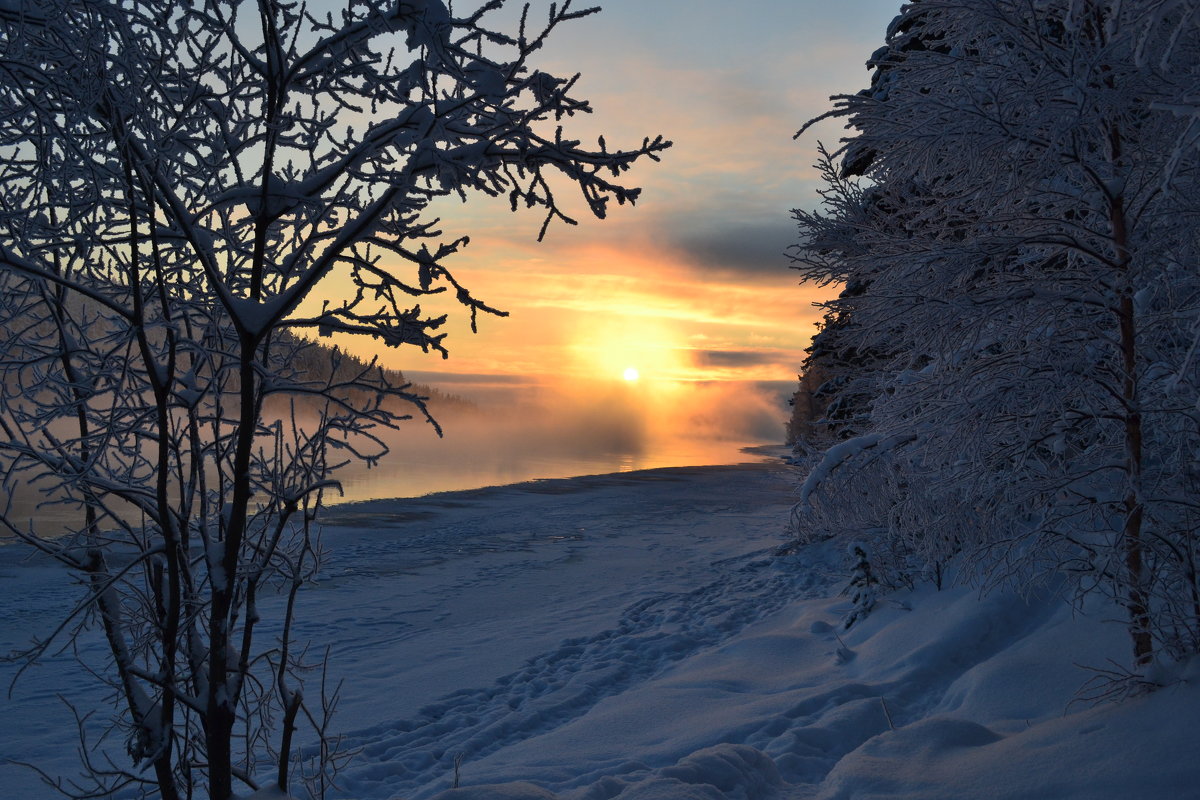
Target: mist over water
[[538, 430], [519, 431]]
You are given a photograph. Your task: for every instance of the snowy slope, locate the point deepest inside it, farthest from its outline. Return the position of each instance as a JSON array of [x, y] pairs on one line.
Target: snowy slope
[[635, 636]]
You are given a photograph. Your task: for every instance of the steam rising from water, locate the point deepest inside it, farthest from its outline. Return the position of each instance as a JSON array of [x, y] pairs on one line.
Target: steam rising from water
[[523, 431], [540, 430]]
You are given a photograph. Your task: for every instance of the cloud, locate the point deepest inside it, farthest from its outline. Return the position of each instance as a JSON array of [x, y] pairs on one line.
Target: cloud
[[733, 359], [753, 248]]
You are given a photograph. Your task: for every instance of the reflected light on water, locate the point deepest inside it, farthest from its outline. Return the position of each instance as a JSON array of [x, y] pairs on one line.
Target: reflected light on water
[[419, 471], [532, 433], [592, 429]]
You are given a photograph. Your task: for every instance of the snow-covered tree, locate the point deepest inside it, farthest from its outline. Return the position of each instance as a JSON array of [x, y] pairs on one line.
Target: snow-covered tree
[[862, 586], [1027, 229], [186, 189]]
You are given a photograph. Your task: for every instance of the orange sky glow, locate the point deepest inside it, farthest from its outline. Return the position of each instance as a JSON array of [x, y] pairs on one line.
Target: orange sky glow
[[692, 285]]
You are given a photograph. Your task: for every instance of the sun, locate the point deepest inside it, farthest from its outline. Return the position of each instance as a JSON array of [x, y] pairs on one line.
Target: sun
[[630, 374]]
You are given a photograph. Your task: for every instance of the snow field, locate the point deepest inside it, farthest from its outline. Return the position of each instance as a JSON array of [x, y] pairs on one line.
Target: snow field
[[636, 637]]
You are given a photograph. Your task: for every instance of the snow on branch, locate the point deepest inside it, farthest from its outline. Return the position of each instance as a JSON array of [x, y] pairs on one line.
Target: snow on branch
[[837, 455]]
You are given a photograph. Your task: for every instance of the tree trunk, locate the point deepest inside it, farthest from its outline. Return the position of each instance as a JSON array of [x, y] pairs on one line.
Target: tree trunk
[[1136, 597], [221, 702]]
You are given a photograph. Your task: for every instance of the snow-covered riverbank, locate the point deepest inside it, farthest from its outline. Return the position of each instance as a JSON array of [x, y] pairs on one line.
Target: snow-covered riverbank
[[636, 636]]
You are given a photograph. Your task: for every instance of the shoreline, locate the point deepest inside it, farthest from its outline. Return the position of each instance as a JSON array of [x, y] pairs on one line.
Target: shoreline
[[753, 456], [419, 472], [758, 458]]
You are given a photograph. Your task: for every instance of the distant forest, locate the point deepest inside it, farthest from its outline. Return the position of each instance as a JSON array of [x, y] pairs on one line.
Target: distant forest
[[324, 363]]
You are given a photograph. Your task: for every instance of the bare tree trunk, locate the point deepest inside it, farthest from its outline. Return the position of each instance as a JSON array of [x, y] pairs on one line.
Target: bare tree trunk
[[224, 686], [1136, 597]]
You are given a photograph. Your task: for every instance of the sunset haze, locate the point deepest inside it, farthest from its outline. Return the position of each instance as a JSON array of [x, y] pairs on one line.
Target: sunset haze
[[692, 284]]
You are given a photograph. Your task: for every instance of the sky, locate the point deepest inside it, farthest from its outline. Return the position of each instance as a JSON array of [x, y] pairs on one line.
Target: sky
[[690, 285]]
